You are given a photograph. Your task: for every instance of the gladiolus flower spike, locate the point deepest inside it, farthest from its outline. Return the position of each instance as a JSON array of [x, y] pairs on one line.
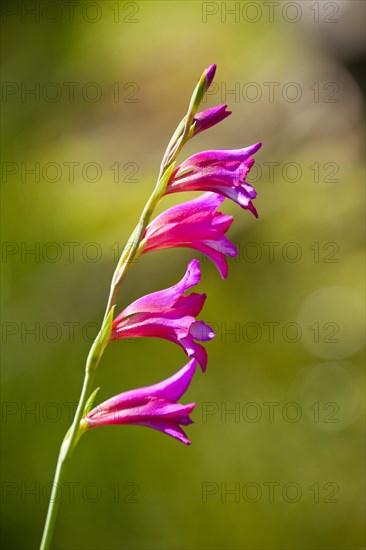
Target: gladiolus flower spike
[[171, 313]]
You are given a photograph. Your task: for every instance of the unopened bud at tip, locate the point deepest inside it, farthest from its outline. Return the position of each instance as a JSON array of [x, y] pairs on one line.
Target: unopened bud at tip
[[210, 74]]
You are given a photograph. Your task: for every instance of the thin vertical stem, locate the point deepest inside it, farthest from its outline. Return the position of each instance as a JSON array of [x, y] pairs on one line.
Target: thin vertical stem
[[131, 251]]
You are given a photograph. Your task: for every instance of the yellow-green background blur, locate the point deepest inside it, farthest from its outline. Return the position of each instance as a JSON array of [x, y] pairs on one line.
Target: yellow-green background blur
[[111, 81]]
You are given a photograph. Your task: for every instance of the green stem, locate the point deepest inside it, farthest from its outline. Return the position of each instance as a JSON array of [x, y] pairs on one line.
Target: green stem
[[52, 507], [65, 453]]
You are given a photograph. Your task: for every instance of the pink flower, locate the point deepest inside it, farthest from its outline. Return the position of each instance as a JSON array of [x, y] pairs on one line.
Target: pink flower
[[206, 119], [194, 224], [154, 406], [169, 314], [220, 171]]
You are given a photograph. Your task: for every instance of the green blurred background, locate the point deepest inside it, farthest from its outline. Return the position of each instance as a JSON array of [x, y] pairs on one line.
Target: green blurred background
[[111, 80]]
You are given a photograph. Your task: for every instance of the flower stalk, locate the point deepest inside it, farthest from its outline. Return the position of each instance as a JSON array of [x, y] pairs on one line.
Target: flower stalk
[[129, 254]]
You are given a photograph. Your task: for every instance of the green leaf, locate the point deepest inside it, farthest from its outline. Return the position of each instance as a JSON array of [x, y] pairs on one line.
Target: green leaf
[[101, 342], [191, 131], [161, 187], [106, 330], [89, 404]]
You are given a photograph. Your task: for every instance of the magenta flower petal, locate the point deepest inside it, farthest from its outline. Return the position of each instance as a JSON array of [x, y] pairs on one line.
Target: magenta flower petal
[[217, 257], [171, 389], [195, 224], [240, 195], [169, 428], [168, 314], [206, 119], [190, 305], [219, 171], [214, 156], [153, 406], [144, 409], [164, 299], [169, 326], [193, 209], [200, 331]]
